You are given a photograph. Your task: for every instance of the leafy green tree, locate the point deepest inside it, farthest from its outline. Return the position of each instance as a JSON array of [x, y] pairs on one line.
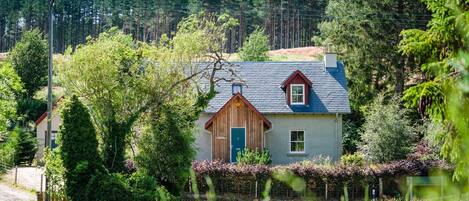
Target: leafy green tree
[[10, 86], [387, 132], [123, 79], [79, 148], [29, 58], [256, 47]]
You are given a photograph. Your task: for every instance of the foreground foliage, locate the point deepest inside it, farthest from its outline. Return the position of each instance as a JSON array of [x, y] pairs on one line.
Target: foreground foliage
[[442, 95]]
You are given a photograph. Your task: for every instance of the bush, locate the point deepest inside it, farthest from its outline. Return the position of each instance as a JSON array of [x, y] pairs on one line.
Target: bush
[[356, 159], [387, 132], [255, 47], [79, 147], [108, 187], [165, 148], [253, 157], [145, 188], [116, 187]]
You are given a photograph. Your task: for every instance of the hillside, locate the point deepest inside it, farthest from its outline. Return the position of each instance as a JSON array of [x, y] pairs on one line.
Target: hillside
[[311, 53]]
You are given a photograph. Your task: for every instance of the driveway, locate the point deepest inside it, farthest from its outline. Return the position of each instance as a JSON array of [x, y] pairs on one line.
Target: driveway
[[29, 180], [8, 193]]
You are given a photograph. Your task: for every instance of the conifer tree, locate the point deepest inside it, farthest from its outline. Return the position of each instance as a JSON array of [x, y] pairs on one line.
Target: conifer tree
[[79, 148]]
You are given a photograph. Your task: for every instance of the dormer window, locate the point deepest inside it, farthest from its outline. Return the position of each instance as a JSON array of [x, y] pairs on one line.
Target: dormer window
[[297, 94], [236, 88], [297, 89]]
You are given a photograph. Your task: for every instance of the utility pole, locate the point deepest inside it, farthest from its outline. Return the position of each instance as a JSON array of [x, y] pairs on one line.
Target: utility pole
[[49, 84]]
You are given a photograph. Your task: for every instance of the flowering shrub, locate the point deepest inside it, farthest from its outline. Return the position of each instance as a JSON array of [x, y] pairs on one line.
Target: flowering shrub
[[243, 179], [253, 157]]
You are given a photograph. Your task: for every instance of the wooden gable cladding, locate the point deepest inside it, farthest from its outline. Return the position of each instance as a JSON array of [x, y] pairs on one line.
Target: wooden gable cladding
[[236, 113], [297, 77]]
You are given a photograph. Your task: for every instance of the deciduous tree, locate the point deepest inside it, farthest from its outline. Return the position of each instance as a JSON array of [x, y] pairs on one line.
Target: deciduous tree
[[387, 133], [29, 58], [123, 79]]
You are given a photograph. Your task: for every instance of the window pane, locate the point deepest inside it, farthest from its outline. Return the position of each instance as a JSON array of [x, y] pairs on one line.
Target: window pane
[[297, 90], [297, 147], [301, 135], [294, 136], [297, 98], [293, 146], [300, 146]]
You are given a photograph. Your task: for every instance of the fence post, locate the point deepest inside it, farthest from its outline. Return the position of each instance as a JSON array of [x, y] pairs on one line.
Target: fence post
[[381, 193], [16, 174], [326, 191], [256, 189], [41, 183]]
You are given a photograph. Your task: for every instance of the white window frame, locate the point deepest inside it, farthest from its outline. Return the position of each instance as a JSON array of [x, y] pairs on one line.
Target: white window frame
[[291, 94], [290, 142]]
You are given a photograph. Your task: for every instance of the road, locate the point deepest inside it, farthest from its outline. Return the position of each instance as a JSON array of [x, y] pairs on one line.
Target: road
[[9, 193]]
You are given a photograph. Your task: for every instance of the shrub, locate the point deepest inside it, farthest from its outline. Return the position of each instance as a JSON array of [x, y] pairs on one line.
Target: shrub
[[79, 147], [117, 187], [165, 148], [255, 47], [55, 173], [356, 159], [27, 147], [253, 157], [387, 132], [145, 188], [108, 187]]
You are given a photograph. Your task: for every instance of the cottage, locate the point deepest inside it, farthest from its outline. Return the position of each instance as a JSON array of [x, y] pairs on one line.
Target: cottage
[[293, 109]]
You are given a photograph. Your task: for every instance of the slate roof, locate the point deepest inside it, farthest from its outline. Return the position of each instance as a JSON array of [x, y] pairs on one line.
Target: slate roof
[[263, 82]]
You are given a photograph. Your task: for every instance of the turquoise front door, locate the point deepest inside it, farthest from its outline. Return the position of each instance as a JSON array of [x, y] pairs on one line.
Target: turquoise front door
[[238, 141]]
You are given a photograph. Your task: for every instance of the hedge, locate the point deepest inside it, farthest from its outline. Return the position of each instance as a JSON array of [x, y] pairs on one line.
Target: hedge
[[242, 179]]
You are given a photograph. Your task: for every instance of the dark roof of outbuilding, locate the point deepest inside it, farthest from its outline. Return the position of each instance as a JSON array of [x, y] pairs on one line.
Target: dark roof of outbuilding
[[263, 87]]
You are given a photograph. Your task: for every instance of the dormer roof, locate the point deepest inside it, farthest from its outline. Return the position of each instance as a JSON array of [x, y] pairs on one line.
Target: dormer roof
[[294, 75]]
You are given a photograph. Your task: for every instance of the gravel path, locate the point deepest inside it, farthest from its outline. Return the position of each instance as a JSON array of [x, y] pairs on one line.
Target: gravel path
[[8, 193]]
